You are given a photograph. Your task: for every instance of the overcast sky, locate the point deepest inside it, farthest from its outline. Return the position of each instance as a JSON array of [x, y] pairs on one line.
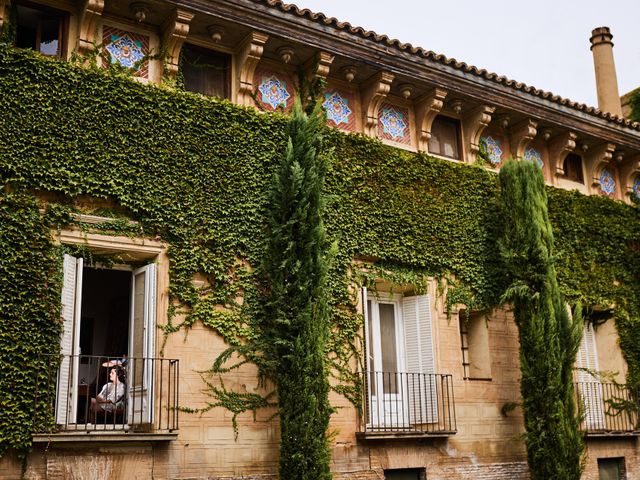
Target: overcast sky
[[544, 43]]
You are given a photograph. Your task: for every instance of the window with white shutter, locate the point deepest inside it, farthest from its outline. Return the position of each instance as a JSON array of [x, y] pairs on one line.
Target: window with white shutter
[[589, 385]]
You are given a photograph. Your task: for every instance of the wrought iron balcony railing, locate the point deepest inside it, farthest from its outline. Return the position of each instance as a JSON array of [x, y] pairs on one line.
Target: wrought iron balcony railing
[[406, 403], [608, 408], [95, 393]]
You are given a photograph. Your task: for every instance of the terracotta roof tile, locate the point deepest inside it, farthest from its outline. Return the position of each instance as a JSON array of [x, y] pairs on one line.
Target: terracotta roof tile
[[439, 58]]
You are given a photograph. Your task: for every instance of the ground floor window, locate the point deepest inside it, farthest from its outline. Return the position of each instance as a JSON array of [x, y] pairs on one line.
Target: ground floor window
[[405, 474], [107, 345], [611, 469]]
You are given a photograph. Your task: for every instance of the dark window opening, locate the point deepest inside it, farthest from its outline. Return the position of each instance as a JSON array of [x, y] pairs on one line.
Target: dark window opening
[[104, 329], [205, 71], [445, 137], [405, 474], [40, 29], [572, 167], [611, 469]]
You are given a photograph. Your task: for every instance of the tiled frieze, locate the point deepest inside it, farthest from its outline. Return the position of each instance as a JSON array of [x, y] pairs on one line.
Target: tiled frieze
[[495, 149], [607, 182], [340, 110], [127, 49], [274, 90], [393, 123], [533, 155]]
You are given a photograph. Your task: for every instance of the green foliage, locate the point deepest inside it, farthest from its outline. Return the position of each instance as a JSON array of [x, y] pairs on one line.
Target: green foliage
[[634, 102], [195, 172], [549, 335], [294, 322], [30, 271]]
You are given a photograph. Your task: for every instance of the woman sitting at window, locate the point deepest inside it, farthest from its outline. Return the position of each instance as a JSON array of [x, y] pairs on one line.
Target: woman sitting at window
[[111, 397]]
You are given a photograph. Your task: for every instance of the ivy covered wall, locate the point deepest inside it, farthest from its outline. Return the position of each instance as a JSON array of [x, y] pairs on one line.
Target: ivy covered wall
[[195, 171]]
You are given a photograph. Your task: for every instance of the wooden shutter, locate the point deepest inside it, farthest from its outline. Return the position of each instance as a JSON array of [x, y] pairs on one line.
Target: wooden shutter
[[420, 360], [589, 386], [142, 345], [68, 372]]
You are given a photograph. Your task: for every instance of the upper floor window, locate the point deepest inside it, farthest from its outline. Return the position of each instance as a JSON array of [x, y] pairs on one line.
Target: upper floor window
[[205, 71], [445, 137], [572, 167], [40, 29]]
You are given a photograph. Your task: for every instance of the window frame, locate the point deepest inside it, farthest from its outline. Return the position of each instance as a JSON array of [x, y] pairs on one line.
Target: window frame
[[458, 140], [63, 27]]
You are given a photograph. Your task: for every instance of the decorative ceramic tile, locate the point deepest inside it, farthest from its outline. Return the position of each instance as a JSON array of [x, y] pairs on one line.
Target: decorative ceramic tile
[[636, 186], [533, 155], [127, 49], [607, 183], [394, 123], [273, 92], [494, 149], [337, 108]]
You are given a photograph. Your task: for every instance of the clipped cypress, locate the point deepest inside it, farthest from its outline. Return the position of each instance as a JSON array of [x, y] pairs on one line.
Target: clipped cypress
[[296, 316], [549, 334]]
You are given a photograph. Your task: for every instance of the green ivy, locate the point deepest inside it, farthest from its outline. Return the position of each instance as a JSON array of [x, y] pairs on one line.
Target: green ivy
[[194, 171]]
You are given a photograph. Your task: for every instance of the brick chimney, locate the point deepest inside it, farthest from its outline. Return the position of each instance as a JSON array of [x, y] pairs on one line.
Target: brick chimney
[[605, 68]]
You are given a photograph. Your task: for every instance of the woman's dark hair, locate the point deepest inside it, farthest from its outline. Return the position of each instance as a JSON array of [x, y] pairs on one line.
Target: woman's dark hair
[[120, 373]]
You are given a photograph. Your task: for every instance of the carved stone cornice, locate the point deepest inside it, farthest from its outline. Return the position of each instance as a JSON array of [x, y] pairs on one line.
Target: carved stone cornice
[[247, 57], [521, 135], [90, 15], [374, 91], [320, 64], [629, 169], [174, 32], [473, 124], [597, 158], [426, 109], [559, 148]]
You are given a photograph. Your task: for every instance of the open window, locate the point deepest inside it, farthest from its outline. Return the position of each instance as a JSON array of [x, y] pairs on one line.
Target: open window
[[108, 322], [401, 379], [40, 28]]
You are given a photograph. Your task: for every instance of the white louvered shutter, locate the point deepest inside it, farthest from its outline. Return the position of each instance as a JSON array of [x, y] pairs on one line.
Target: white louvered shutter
[[68, 371], [590, 388], [142, 336], [420, 360]]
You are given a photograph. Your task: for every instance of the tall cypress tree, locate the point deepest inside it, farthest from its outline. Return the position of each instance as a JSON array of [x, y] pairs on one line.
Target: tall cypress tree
[[295, 325], [549, 334]]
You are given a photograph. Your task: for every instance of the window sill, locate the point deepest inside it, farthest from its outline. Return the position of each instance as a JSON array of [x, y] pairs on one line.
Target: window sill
[[368, 436], [119, 436]]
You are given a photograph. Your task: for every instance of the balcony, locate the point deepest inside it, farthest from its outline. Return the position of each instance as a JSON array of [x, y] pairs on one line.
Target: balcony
[[607, 409], [406, 405], [106, 397]]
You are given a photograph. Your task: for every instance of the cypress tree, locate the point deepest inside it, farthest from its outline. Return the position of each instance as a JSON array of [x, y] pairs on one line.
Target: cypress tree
[[549, 334], [295, 326]]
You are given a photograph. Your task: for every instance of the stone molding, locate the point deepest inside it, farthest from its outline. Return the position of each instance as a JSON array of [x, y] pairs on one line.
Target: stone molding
[[559, 147], [521, 135], [90, 16], [597, 158], [374, 91], [247, 58], [174, 33], [426, 110], [473, 124]]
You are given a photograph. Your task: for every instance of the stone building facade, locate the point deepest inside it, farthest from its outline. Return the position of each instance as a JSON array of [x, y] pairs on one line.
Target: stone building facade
[[254, 51]]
